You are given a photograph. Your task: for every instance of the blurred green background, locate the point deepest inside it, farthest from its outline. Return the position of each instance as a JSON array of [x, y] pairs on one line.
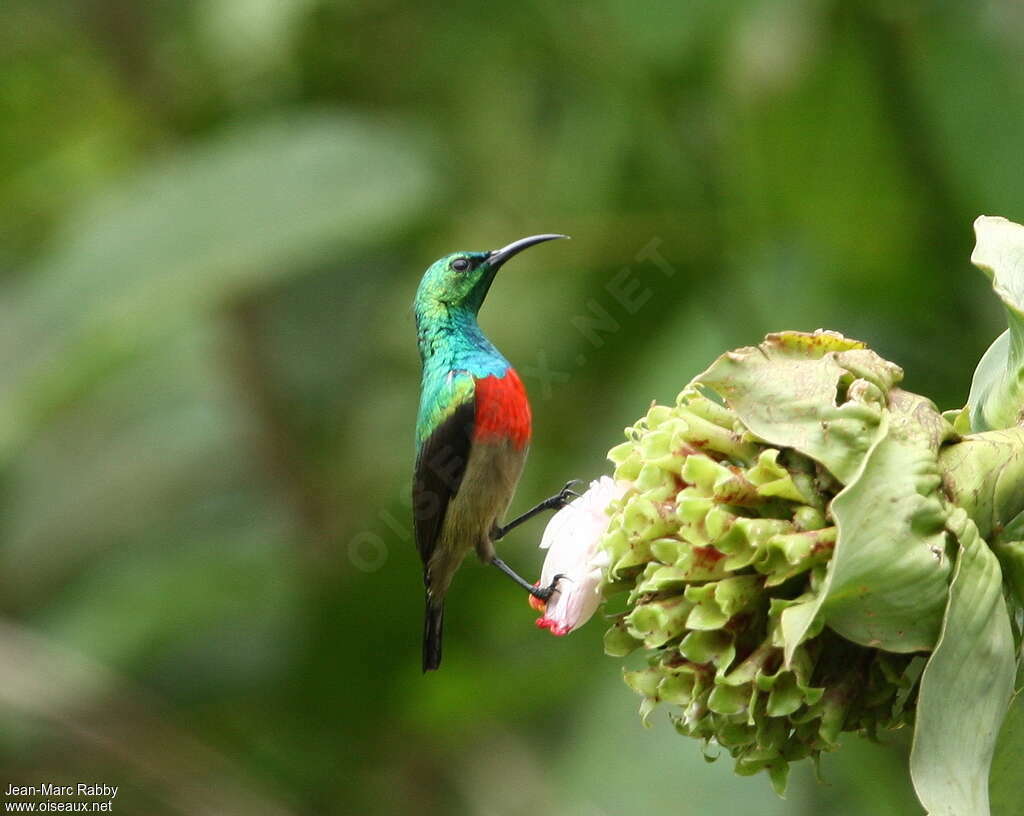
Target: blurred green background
[[214, 216]]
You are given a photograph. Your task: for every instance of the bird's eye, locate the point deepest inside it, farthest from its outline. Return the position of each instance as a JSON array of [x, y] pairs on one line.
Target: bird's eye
[[460, 264]]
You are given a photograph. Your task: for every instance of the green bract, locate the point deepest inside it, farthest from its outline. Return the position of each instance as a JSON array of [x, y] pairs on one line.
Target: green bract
[[806, 548]]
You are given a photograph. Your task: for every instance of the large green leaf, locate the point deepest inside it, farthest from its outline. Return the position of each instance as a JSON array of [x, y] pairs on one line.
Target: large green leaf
[[785, 390], [997, 390], [887, 579], [886, 584], [259, 202], [966, 686]]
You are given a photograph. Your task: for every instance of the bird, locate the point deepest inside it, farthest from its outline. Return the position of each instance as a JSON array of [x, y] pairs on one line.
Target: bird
[[472, 432]]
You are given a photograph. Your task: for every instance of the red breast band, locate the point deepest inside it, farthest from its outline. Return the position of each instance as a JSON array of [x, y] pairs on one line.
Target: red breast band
[[502, 409]]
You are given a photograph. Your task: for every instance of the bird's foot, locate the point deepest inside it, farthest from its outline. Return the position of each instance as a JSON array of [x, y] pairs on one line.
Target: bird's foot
[[567, 494], [544, 593], [540, 593]]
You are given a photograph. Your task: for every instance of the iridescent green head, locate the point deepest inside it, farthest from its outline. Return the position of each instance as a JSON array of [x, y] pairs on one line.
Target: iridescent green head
[[460, 281]]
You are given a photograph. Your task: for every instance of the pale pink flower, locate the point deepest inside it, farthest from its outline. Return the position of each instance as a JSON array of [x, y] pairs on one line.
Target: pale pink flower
[[572, 539]]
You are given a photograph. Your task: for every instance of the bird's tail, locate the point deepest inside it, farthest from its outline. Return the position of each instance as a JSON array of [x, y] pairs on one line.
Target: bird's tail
[[433, 622]]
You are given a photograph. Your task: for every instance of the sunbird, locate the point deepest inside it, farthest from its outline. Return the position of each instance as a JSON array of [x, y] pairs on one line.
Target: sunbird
[[472, 432]]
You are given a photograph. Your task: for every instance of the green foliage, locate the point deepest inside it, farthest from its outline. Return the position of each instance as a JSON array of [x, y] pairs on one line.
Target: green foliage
[[966, 685], [998, 386], [254, 205], [768, 637], [752, 641]]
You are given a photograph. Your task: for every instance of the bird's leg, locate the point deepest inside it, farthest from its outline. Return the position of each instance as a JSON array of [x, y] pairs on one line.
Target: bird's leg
[[556, 502], [540, 593]]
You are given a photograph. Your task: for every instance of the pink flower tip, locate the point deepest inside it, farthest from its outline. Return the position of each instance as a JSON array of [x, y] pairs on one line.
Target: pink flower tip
[[553, 626]]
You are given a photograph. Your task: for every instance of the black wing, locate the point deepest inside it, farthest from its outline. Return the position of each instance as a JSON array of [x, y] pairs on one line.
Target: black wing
[[440, 466]]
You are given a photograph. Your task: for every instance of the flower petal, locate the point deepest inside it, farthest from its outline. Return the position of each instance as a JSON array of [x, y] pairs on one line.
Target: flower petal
[[572, 539]]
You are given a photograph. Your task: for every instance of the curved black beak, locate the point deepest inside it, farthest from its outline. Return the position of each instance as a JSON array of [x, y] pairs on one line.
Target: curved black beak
[[499, 256]]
